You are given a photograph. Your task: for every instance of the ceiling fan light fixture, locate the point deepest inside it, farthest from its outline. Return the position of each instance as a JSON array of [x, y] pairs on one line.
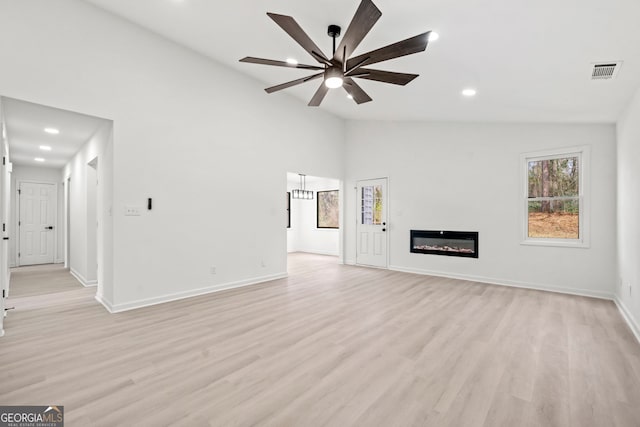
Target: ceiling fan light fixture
[[292, 61], [333, 82], [433, 36], [333, 78]]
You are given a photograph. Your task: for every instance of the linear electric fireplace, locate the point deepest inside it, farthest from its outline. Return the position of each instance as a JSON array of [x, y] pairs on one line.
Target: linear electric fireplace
[[450, 243]]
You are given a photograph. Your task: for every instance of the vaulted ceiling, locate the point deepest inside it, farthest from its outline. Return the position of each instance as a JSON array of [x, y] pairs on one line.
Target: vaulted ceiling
[[530, 61]]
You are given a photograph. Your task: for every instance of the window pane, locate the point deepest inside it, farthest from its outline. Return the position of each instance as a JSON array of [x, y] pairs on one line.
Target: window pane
[[371, 205], [556, 219], [367, 205], [377, 206], [553, 177], [328, 215], [288, 209]]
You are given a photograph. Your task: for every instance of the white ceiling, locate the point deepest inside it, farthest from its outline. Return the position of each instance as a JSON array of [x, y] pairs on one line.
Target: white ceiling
[[25, 130], [529, 60]]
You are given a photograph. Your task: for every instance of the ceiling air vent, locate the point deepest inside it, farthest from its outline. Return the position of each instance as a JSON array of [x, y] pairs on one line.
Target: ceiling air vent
[[605, 70]]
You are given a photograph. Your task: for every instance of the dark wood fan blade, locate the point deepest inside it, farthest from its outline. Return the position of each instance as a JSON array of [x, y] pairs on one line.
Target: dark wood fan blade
[[402, 48], [262, 61], [291, 27], [352, 88], [293, 83], [319, 95], [384, 76], [365, 18]]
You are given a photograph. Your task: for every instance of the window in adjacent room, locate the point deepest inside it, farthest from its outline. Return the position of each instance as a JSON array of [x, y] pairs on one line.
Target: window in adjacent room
[[288, 209], [327, 212], [554, 203]]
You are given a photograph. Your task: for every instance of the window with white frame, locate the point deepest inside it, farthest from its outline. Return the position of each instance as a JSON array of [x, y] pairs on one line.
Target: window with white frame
[[555, 209]]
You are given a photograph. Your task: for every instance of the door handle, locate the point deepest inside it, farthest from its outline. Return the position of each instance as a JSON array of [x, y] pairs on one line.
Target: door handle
[[384, 229], [49, 227]]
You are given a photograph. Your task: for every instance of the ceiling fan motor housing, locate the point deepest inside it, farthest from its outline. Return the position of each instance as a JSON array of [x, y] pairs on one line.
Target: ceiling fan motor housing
[[334, 31]]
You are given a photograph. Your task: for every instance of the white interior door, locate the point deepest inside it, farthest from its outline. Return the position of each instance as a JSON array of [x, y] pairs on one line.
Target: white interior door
[[372, 223], [36, 223]]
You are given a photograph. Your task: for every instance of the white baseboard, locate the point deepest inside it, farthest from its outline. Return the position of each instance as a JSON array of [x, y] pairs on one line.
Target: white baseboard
[[84, 282], [117, 308], [58, 261], [350, 262], [329, 253], [512, 283], [634, 325], [1, 333], [108, 305]]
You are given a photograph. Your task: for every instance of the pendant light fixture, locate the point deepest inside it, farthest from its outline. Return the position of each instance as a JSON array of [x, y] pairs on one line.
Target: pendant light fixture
[[302, 192]]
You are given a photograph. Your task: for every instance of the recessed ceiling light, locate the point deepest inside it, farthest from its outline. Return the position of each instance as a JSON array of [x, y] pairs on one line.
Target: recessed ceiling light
[[350, 96], [433, 36], [52, 131], [292, 61], [469, 92], [39, 159], [45, 148]]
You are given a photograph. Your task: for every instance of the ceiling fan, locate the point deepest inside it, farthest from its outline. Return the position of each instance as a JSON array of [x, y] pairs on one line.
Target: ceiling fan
[[341, 69]]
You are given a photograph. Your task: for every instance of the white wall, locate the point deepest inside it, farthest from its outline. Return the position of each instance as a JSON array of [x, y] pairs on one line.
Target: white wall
[[304, 235], [43, 175], [466, 177], [183, 125], [628, 289], [85, 210]]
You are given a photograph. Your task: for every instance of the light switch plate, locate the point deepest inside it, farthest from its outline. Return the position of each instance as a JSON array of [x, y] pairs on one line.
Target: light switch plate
[[132, 210]]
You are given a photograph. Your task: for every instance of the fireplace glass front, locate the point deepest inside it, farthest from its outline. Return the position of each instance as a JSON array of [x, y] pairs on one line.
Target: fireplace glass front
[[450, 243]]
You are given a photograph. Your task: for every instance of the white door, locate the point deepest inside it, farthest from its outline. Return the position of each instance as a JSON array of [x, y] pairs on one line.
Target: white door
[[372, 223], [36, 223]]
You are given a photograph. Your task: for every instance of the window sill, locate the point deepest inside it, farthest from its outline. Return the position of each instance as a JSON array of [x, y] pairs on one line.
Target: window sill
[[556, 243]]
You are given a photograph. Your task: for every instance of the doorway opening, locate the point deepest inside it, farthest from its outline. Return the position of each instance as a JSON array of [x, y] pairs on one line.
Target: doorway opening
[[56, 232], [314, 217], [92, 221]]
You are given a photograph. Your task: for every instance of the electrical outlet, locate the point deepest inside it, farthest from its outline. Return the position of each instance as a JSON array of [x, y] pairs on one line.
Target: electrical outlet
[[212, 270], [132, 210]]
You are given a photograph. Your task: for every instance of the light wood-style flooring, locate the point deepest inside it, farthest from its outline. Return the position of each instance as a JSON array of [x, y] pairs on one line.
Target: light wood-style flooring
[[331, 345]]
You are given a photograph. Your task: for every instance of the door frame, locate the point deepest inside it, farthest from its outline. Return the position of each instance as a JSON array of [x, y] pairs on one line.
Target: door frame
[[66, 219], [17, 218], [385, 199]]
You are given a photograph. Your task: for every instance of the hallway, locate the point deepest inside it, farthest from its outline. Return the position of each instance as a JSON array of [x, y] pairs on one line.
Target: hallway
[[47, 285]]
